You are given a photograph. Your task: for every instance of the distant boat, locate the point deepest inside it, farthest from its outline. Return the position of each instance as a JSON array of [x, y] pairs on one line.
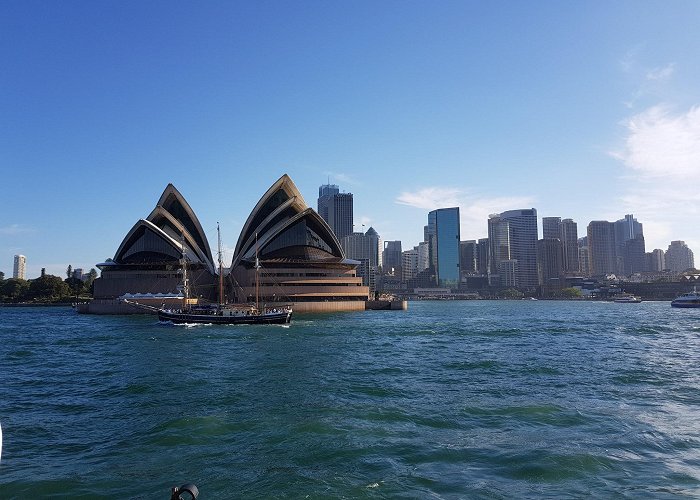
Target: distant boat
[[687, 300], [627, 298], [220, 313]]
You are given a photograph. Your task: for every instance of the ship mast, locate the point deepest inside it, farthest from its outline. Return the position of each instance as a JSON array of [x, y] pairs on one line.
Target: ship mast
[[221, 268], [183, 263], [257, 275]]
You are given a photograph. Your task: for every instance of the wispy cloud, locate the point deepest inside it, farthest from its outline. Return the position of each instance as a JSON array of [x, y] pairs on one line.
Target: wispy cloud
[[341, 178], [14, 229], [474, 210], [661, 74], [430, 198], [646, 80], [661, 156]]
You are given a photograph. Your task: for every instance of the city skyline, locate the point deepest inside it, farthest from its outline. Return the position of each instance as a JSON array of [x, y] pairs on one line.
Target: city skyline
[[588, 114]]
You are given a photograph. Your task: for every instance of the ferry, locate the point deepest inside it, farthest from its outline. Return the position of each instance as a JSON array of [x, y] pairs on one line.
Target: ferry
[[687, 300], [627, 298]]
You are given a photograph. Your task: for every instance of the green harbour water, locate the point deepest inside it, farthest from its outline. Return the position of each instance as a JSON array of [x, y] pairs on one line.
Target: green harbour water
[[463, 399]]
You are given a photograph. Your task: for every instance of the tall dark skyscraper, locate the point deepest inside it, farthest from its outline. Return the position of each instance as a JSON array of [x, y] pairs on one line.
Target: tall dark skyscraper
[[601, 248], [523, 244], [629, 241], [569, 246], [549, 264], [443, 239], [336, 209], [566, 232], [468, 256], [551, 228], [325, 194], [391, 257]]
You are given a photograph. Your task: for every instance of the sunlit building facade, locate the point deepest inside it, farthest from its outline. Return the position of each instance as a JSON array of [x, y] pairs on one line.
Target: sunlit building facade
[[19, 269], [443, 242]]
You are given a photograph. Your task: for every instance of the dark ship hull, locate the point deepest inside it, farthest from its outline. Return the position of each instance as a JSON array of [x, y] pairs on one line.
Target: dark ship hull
[[269, 318]]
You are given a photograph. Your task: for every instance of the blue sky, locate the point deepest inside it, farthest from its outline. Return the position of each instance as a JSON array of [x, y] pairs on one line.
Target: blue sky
[[588, 110]]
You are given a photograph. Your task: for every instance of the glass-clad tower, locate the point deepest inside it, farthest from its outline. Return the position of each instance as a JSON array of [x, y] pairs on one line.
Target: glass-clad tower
[[443, 238]]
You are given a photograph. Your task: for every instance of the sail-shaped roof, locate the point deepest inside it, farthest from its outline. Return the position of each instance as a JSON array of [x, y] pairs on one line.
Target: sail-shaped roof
[[175, 229], [157, 238], [282, 225], [173, 202], [147, 243]]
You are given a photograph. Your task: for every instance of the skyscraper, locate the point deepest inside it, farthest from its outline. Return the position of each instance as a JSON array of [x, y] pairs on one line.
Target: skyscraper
[[20, 267], [657, 260], [336, 209], [601, 247], [569, 247], [566, 231], [523, 244], [633, 255], [628, 229], [499, 247], [325, 194], [482, 256], [364, 247], [391, 257], [679, 257], [551, 228], [443, 244], [549, 263], [467, 256], [409, 264]]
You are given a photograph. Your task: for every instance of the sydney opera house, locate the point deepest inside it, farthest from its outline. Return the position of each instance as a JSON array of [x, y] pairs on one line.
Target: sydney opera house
[[301, 260]]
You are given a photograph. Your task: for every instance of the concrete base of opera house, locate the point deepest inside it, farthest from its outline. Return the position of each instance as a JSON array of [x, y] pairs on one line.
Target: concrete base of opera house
[[113, 306]]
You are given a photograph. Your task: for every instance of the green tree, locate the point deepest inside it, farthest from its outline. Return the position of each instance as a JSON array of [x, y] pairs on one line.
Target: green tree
[[76, 286], [92, 276], [2, 276], [571, 293], [14, 290], [512, 293], [48, 288], [69, 272]]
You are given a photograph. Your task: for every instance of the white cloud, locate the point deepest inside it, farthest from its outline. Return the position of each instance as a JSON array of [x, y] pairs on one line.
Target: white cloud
[[474, 210], [14, 229], [661, 154], [661, 74], [430, 198], [339, 177]]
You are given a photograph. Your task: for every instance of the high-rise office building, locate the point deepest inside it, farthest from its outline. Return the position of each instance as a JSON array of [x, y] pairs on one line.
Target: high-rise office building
[[566, 231], [409, 264], [325, 194], [423, 255], [443, 245], [584, 257], [19, 270], [656, 260], [679, 257], [626, 230], [551, 228], [549, 263], [633, 255], [523, 244], [602, 248], [364, 247], [336, 209], [391, 257], [499, 247], [569, 247], [467, 256], [482, 256]]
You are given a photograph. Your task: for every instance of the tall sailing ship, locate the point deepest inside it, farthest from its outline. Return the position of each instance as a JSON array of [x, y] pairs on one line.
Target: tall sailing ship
[[221, 313]]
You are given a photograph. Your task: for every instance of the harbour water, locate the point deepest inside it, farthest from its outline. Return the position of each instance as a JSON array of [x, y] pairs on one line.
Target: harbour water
[[492, 399]]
